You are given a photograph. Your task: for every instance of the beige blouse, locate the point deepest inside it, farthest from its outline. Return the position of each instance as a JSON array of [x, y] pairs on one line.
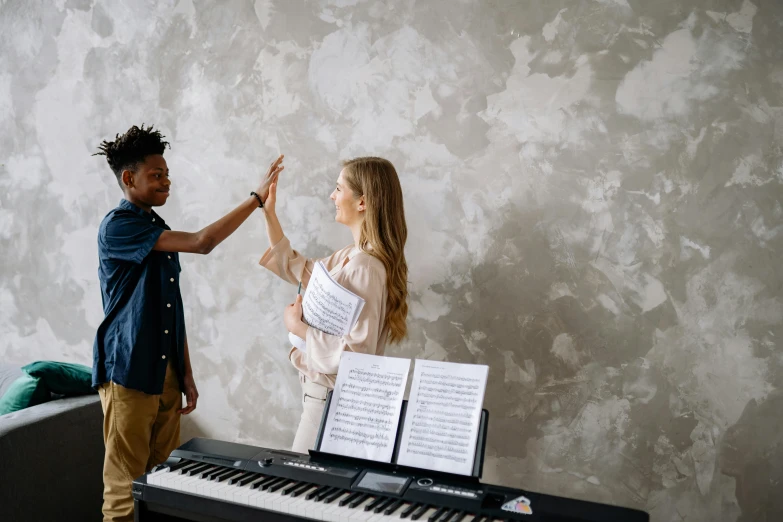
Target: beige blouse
[[357, 271]]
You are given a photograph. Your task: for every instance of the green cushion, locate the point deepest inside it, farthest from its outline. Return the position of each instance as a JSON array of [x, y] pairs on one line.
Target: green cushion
[[25, 391], [62, 378]]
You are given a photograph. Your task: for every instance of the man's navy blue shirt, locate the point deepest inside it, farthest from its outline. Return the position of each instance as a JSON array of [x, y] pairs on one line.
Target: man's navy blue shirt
[[144, 327]]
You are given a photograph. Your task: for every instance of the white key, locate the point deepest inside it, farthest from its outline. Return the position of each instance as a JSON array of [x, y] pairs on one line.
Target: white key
[[358, 513], [243, 495]]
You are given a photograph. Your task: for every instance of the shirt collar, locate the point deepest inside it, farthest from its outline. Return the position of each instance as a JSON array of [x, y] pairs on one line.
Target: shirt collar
[[127, 205]]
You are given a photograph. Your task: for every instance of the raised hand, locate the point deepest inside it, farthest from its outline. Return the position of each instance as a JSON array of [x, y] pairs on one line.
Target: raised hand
[[270, 177]]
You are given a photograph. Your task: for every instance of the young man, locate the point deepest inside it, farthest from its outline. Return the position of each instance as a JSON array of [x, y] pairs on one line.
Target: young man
[[141, 364]]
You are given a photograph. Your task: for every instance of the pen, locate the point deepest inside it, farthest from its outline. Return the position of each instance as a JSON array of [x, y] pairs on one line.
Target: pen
[[299, 289]]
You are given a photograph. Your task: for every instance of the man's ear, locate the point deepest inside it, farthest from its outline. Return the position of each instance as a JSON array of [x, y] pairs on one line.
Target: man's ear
[[127, 178]]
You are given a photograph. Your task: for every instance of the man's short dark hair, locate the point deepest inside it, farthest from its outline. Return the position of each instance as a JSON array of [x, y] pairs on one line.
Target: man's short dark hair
[[126, 152]]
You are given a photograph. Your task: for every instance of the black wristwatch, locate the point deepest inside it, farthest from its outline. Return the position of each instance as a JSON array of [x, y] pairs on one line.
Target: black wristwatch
[[260, 203]]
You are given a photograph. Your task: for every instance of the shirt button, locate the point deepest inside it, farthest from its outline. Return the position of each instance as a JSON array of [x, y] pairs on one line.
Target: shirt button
[[163, 356], [168, 305], [165, 331], [169, 257], [172, 279], [153, 219]]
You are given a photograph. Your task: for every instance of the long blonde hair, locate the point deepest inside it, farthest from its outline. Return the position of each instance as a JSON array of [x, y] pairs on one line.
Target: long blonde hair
[[384, 231]]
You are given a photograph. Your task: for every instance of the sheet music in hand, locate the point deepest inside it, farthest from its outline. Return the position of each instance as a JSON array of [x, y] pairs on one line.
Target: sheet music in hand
[[328, 306], [442, 418], [365, 409]]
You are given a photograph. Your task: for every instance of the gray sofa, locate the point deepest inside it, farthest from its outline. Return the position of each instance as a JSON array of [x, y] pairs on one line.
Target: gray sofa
[[51, 459]]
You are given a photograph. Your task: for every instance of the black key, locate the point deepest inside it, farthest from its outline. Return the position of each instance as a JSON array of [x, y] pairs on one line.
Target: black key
[[236, 478], [274, 482], [383, 505], [198, 469], [349, 498], [393, 507], [478, 518], [316, 492], [179, 465], [334, 496], [375, 503], [459, 517], [410, 509], [227, 476], [358, 500], [254, 484], [250, 477], [435, 516], [265, 483], [185, 469], [447, 515], [323, 494], [289, 489], [207, 471], [302, 489], [279, 485], [218, 473]]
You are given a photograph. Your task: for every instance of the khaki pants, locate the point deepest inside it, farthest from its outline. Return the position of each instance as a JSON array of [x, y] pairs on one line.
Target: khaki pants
[[139, 431], [313, 402]]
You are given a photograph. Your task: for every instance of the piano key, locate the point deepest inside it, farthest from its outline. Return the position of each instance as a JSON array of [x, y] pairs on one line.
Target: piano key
[[304, 489], [273, 482], [375, 503], [198, 469], [429, 514], [250, 477], [349, 498], [410, 509], [179, 465], [383, 505], [333, 496], [394, 506], [358, 500], [322, 495], [218, 473], [265, 483], [236, 478], [316, 492], [334, 511], [478, 518], [358, 512], [227, 476], [291, 488], [279, 485], [448, 515], [204, 472], [459, 517]]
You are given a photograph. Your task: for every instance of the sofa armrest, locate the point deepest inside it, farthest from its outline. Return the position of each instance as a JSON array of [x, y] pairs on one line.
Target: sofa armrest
[[52, 461]]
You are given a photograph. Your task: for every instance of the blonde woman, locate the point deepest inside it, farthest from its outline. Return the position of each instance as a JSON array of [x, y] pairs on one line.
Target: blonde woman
[[368, 201]]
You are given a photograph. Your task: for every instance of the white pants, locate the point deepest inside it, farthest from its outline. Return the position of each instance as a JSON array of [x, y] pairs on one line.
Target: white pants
[[313, 401]]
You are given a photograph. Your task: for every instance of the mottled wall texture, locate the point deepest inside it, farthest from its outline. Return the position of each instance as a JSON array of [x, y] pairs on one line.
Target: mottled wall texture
[[593, 191]]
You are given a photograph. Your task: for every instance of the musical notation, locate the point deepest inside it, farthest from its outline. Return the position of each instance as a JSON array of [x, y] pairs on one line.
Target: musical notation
[[444, 410], [364, 414], [329, 307]]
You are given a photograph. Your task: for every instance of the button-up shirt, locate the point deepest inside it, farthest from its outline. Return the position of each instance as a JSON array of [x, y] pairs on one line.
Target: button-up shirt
[[144, 324]]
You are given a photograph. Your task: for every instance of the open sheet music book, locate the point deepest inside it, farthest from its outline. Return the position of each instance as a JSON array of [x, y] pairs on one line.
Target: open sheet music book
[[328, 306], [440, 425]]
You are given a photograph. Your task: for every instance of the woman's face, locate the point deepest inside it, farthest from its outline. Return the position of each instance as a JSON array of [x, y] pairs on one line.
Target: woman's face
[[349, 208]]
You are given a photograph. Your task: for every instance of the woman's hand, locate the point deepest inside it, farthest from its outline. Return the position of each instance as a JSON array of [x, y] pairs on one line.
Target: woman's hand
[[271, 199], [269, 178], [293, 316]]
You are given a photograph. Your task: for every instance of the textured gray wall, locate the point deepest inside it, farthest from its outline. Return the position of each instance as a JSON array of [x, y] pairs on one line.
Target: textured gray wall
[[593, 190]]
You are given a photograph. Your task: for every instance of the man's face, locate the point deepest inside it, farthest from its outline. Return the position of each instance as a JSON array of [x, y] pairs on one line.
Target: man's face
[[149, 185]]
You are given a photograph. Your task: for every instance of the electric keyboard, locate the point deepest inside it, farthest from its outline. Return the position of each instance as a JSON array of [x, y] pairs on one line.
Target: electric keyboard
[[214, 481]]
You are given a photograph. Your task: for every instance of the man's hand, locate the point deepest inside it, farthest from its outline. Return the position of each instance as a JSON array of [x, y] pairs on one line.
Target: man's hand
[[269, 178], [191, 394], [293, 318]]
